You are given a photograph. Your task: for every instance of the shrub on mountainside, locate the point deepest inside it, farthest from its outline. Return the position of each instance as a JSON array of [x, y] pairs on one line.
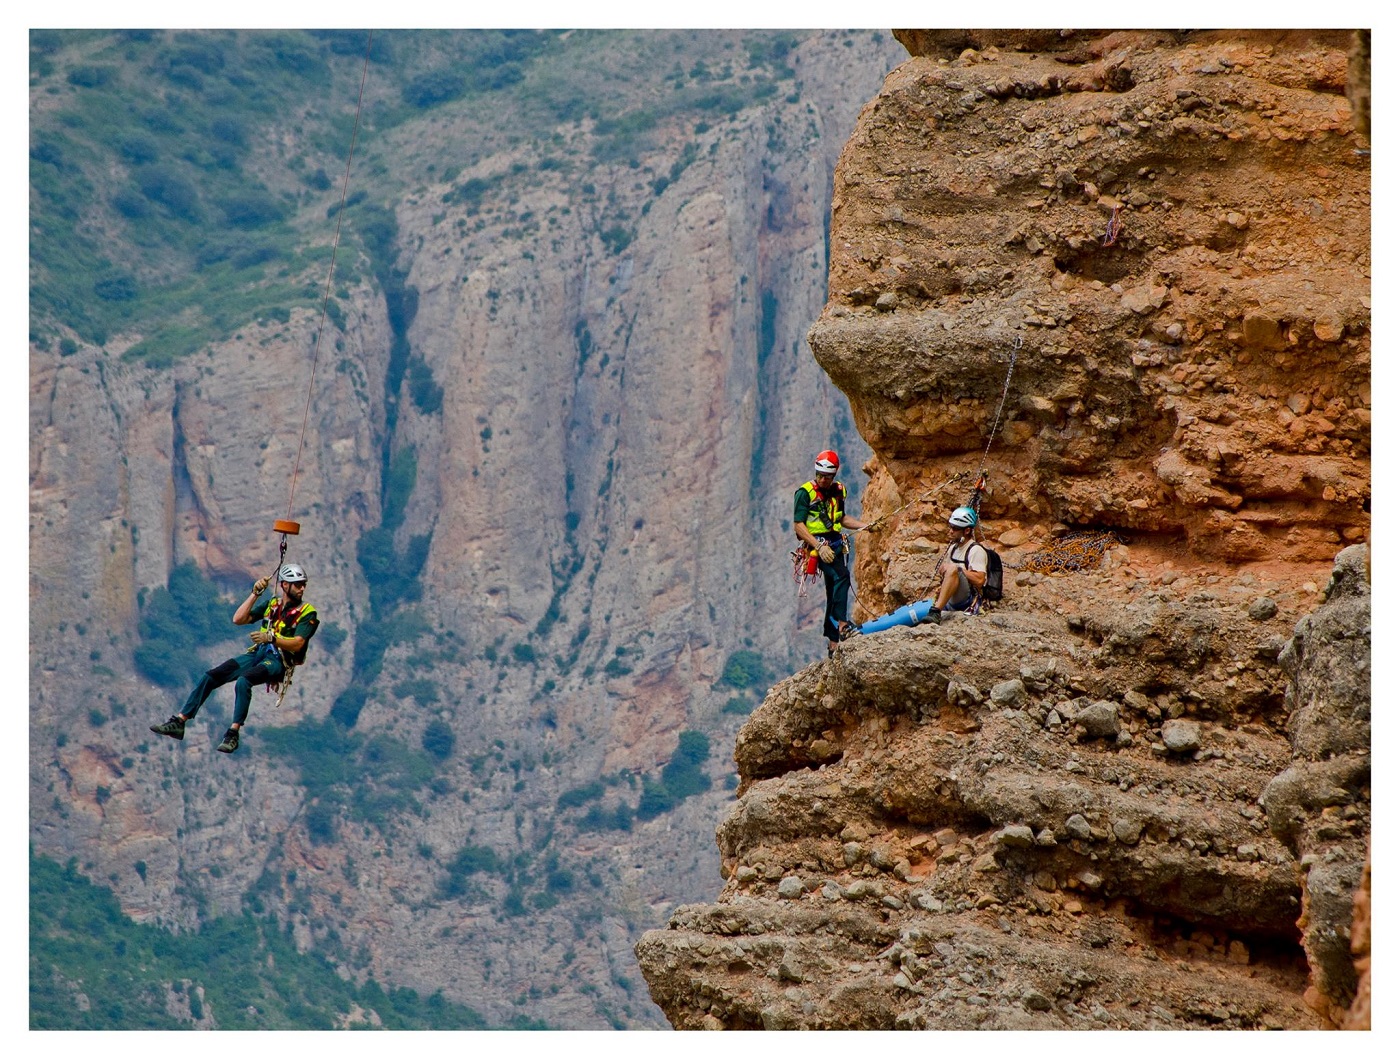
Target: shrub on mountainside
[[177, 622], [744, 669]]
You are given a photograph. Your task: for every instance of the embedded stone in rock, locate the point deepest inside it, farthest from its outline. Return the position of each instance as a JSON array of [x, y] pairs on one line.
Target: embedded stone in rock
[[1127, 830], [1137, 702], [886, 302], [1144, 299], [1099, 719], [852, 853], [1328, 329], [1262, 331], [791, 887], [1009, 694], [1180, 736], [963, 694], [1045, 838], [1035, 1001], [745, 874], [1014, 835], [1077, 826], [1262, 609]]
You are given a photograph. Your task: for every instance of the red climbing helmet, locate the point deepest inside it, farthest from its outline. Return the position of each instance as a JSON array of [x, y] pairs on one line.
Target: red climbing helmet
[[828, 463]]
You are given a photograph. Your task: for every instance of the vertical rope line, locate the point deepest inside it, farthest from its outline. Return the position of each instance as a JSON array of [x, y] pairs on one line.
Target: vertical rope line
[[1005, 389], [330, 275]]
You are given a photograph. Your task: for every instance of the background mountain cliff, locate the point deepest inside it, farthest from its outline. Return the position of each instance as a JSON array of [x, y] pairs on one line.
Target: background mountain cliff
[[557, 413]]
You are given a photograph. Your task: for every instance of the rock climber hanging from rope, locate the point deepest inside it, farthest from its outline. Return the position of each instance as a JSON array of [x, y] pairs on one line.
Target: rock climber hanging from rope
[[286, 621], [287, 624]]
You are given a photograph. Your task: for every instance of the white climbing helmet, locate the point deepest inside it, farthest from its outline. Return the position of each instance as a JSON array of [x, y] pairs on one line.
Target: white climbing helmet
[[291, 573], [963, 518]]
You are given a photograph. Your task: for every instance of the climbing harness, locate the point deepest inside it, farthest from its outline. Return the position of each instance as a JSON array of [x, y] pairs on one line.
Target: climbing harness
[[289, 527], [1115, 226], [285, 527]]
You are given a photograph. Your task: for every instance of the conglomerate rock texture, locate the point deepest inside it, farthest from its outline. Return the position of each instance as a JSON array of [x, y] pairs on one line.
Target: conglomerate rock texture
[[1133, 797], [1204, 377]]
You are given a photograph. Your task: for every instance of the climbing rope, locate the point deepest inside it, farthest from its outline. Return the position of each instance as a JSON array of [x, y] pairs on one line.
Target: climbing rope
[[981, 486], [1115, 226], [1079, 551], [801, 574], [934, 491], [330, 275], [288, 526]]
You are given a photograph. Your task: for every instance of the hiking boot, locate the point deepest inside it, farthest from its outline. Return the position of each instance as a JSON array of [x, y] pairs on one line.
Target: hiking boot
[[175, 727], [230, 743], [846, 631]]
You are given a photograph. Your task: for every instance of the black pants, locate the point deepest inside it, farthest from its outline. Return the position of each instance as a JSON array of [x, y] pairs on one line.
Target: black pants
[[247, 670], [837, 577]]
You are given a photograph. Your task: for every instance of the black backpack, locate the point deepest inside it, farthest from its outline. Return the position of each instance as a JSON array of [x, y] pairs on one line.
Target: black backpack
[[991, 590]]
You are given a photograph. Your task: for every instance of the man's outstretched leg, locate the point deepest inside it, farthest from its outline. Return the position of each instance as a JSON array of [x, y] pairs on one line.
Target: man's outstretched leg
[[261, 673], [217, 677]]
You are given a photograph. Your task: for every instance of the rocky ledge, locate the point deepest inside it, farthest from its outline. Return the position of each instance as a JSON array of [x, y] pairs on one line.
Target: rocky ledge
[[1089, 808]]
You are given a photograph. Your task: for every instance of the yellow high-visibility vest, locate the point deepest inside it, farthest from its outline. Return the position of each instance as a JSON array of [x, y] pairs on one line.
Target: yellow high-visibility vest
[[824, 514]]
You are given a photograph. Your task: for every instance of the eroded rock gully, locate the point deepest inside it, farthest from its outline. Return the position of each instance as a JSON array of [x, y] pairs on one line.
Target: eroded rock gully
[[1137, 797]]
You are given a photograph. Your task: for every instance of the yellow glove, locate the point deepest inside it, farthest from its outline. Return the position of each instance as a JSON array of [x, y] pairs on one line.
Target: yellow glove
[[825, 553]]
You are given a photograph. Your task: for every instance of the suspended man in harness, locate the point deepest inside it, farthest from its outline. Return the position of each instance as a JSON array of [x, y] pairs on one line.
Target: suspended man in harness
[[287, 624], [818, 518]]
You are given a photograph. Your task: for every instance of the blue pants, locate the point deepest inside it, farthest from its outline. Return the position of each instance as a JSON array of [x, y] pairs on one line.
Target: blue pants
[[837, 578], [246, 671]]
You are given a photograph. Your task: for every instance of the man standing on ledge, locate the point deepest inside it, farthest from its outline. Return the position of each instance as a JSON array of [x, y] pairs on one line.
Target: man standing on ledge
[[288, 623], [818, 517]]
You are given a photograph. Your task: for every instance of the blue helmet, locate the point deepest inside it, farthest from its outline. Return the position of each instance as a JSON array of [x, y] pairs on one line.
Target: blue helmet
[[963, 518]]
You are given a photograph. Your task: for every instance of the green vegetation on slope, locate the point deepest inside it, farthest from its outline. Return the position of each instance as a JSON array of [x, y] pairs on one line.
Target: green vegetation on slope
[[181, 182], [92, 968]]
